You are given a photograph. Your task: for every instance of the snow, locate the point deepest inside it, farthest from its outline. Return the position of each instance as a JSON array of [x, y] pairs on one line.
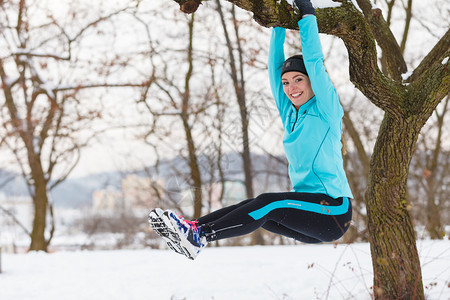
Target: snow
[[48, 88], [331, 3], [445, 60], [406, 75], [9, 81], [320, 3], [261, 272], [325, 3]]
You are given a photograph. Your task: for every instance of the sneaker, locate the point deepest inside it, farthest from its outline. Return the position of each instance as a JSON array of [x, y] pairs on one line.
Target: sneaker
[[192, 239], [166, 232], [157, 224]]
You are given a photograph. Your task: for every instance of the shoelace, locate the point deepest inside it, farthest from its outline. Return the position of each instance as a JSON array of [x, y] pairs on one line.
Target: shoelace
[[192, 224]]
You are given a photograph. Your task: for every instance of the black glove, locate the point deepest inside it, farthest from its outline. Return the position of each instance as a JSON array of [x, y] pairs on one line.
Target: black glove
[[305, 7]]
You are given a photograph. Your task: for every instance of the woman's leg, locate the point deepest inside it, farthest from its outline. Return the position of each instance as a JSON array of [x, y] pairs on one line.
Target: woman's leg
[[317, 216], [215, 215], [277, 228], [325, 227]]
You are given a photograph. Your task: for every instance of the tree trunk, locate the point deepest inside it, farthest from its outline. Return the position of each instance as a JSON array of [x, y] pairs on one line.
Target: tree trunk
[[38, 242], [433, 210], [246, 158], [433, 223], [237, 75], [195, 176], [392, 239], [356, 174]]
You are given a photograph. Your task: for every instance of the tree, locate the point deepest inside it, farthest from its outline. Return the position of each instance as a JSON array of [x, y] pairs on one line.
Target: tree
[[407, 105], [237, 75], [181, 103], [357, 177], [430, 174], [214, 70], [45, 68]]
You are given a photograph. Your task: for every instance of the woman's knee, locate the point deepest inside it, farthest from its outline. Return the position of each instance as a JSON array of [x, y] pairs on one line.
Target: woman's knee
[[334, 233], [268, 198]]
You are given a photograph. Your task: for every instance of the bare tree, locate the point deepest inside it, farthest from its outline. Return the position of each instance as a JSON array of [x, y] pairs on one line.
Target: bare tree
[[45, 69], [391, 4], [177, 101], [357, 177], [237, 76], [407, 106], [430, 175]]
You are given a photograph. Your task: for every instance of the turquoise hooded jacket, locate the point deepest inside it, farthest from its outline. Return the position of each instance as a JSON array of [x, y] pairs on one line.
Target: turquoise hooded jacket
[[312, 134]]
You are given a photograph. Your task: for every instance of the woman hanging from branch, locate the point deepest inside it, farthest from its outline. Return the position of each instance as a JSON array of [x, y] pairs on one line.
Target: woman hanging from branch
[[318, 209]]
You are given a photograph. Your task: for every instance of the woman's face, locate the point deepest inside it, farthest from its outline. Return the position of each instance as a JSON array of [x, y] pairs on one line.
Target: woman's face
[[297, 87]]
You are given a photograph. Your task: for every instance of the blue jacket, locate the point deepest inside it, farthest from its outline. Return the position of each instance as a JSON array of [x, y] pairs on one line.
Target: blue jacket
[[312, 134]]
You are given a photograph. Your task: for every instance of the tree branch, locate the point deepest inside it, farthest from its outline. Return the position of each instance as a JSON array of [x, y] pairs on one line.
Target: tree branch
[[396, 64], [347, 23], [356, 138], [13, 217], [408, 10], [430, 88], [98, 85], [436, 55]]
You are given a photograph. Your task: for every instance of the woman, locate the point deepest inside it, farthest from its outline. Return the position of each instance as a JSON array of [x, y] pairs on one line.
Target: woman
[[318, 209]]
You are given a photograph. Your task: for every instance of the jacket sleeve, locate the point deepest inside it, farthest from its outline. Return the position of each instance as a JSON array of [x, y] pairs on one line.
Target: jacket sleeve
[[274, 65], [326, 95]]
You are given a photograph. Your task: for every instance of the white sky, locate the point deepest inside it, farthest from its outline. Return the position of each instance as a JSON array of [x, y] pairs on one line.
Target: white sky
[[119, 150]]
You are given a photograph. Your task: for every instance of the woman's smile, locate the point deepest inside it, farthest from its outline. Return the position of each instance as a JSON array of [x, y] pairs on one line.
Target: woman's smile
[[297, 87]]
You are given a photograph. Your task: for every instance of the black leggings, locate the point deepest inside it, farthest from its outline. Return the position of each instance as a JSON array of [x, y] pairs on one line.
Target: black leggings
[[305, 217]]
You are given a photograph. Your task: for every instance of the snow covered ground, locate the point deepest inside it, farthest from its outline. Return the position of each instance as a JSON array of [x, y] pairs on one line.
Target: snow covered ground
[[260, 272]]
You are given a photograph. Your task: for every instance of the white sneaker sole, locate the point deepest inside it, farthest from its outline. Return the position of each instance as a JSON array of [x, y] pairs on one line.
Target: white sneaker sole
[[167, 233]]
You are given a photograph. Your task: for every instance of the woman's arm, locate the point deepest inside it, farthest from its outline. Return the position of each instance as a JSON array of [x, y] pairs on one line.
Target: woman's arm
[[274, 64], [326, 95]]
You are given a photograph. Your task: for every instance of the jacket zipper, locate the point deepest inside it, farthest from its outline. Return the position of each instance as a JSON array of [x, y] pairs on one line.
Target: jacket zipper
[[296, 118]]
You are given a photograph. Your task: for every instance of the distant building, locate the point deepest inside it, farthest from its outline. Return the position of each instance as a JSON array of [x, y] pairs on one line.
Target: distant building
[[15, 209], [136, 193], [215, 196], [19, 207], [233, 192], [107, 200], [141, 192]]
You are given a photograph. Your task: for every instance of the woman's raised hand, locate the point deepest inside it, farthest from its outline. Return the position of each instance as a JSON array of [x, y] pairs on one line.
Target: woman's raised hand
[[305, 7]]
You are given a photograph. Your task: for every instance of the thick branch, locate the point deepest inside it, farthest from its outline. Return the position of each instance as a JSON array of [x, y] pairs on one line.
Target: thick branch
[[436, 55], [430, 81], [268, 13], [428, 90], [380, 28], [9, 99], [347, 23]]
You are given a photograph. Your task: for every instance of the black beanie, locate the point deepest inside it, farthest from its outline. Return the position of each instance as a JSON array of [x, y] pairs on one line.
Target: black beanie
[[294, 63]]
